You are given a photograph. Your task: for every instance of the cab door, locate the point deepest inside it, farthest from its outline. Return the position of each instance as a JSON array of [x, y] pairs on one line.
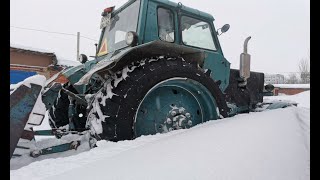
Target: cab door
[[199, 33], [160, 23]]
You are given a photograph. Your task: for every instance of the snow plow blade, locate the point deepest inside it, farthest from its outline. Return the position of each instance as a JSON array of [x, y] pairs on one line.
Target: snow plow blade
[[22, 102]]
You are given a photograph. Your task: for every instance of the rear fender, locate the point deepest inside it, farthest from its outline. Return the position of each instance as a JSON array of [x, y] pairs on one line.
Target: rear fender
[[75, 73], [120, 58]]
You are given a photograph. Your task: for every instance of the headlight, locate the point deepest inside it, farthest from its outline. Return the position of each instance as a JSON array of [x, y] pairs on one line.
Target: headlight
[[131, 38], [83, 58]]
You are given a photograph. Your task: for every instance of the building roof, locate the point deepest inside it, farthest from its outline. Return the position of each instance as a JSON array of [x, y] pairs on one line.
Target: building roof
[[26, 50], [57, 60]]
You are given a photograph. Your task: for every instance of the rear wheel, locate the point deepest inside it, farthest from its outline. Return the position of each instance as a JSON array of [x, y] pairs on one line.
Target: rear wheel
[[155, 96]]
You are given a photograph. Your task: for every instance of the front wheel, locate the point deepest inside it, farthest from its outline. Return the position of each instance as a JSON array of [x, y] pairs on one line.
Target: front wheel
[[155, 95], [58, 113]]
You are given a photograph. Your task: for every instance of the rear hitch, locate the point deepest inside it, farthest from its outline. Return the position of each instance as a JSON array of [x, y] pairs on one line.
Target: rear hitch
[[55, 149]]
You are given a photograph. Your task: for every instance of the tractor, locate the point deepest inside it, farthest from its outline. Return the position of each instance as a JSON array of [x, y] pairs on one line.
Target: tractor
[[158, 67]]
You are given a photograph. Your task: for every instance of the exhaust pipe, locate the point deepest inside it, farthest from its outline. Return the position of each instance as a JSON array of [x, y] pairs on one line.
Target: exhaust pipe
[[244, 64]]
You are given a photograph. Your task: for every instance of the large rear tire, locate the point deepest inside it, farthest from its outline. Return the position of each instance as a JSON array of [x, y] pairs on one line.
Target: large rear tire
[[141, 98]]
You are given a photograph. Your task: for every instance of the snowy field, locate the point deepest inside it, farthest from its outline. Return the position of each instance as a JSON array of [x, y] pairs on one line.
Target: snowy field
[[269, 145]]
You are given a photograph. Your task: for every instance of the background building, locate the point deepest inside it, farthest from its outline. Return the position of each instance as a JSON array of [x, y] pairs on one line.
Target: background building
[[290, 89], [274, 79], [26, 62]]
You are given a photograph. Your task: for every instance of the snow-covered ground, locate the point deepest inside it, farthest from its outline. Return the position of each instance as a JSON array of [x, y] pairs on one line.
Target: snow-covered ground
[[303, 99], [267, 145]]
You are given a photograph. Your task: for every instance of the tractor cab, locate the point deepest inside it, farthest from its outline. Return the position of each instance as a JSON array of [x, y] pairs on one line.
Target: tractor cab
[[146, 28], [141, 21]]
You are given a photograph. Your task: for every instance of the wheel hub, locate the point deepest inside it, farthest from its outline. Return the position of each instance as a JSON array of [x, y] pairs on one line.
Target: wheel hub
[[176, 103], [177, 118]]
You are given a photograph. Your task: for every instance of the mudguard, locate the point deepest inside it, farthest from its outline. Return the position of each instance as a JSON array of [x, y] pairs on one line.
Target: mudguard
[[120, 58]]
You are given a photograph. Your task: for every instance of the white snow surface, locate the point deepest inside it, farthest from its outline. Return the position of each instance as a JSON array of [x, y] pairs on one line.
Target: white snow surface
[[303, 99], [265, 145], [64, 62]]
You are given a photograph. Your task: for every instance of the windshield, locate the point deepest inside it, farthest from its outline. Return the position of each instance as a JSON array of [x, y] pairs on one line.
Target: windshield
[[113, 35]]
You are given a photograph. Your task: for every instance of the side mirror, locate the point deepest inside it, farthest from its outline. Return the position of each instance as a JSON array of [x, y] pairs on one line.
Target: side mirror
[[83, 58], [224, 29]]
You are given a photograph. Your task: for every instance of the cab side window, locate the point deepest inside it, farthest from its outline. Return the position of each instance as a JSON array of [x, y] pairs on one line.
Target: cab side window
[[196, 33], [165, 25]]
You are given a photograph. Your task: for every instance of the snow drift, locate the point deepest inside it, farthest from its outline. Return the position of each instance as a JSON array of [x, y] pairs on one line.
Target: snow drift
[[266, 145], [273, 144]]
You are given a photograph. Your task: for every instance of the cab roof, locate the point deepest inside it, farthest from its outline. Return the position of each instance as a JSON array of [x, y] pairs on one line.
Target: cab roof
[[186, 9], [174, 5]]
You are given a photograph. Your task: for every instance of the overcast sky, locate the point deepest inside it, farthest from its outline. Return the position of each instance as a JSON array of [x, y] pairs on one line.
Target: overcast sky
[[280, 29]]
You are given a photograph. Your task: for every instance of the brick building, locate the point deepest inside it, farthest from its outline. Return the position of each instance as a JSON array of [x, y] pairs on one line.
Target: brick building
[[290, 89], [26, 62]]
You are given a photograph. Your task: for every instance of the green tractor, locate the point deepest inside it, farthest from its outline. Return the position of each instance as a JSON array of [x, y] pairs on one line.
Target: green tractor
[[159, 67]]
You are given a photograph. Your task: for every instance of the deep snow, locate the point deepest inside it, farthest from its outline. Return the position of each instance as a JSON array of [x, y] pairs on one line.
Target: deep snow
[[263, 145]]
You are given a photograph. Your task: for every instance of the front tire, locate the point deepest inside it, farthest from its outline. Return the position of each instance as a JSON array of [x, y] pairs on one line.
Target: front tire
[[139, 99], [58, 113]]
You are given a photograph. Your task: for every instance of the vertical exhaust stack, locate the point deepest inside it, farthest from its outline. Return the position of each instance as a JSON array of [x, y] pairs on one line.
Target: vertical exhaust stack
[[244, 71]]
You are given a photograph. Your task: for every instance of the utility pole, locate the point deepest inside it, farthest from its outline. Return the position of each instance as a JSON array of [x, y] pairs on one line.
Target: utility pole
[[78, 45]]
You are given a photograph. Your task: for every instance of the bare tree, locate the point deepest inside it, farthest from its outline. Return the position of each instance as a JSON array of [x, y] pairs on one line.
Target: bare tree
[[304, 70], [292, 79]]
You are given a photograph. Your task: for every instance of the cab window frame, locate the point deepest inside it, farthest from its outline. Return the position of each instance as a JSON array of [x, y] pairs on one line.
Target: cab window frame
[[173, 27], [211, 32]]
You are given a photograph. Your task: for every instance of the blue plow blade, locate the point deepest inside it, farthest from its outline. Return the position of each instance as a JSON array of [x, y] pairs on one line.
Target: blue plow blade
[[22, 101]]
